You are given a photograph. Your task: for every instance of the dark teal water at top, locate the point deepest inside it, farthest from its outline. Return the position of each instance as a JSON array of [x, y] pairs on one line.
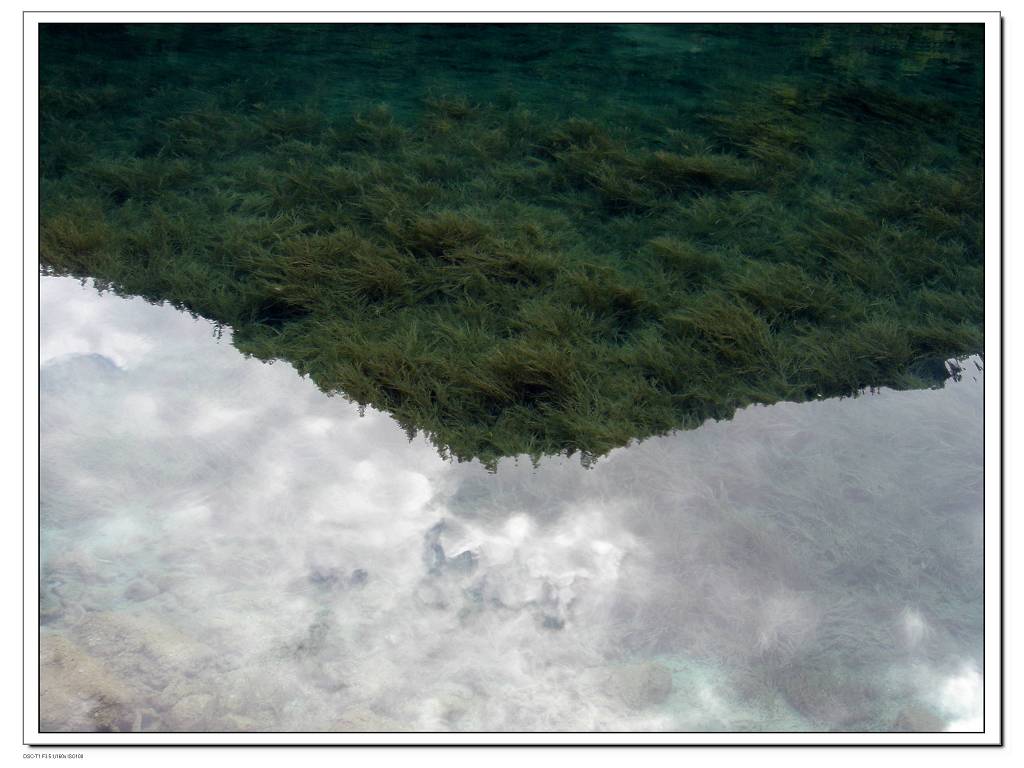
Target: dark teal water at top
[[585, 69]]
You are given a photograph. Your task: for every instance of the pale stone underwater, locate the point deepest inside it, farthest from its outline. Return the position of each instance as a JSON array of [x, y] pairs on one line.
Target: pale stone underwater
[[225, 548]]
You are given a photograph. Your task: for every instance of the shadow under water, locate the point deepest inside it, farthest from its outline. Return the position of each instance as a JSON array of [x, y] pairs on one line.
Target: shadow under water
[[225, 549], [534, 238]]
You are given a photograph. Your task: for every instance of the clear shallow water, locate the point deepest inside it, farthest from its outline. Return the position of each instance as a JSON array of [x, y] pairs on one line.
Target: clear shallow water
[[225, 548], [297, 184]]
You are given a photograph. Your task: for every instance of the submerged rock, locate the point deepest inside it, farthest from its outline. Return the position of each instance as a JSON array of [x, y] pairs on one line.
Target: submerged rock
[[464, 562], [73, 371], [917, 719], [192, 713], [78, 692], [436, 560], [641, 685], [141, 589], [832, 698], [50, 607], [325, 576]]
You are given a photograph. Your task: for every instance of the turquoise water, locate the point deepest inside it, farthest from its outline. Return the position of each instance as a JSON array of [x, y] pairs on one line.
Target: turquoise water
[[224, 548]]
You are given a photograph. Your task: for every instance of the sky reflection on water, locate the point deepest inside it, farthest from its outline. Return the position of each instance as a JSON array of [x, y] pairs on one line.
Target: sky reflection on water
[[224, 548]]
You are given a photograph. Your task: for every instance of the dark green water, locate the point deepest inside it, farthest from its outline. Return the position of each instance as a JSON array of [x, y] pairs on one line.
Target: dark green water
[[534, 238]]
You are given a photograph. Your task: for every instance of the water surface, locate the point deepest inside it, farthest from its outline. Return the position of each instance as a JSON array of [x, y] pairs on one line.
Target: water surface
[[224, 548]]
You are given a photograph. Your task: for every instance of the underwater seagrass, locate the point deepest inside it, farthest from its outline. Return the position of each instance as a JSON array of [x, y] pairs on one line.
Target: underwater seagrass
[[532, 239]]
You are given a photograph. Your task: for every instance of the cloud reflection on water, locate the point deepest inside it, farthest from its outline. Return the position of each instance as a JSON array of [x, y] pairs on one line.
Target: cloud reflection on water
[[225, 548]]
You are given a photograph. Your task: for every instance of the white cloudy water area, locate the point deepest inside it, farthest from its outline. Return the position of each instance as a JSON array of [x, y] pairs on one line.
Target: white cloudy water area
[[225, 548]]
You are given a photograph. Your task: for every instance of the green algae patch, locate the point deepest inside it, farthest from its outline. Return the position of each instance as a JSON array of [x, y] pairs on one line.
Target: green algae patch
[[512, 271]]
